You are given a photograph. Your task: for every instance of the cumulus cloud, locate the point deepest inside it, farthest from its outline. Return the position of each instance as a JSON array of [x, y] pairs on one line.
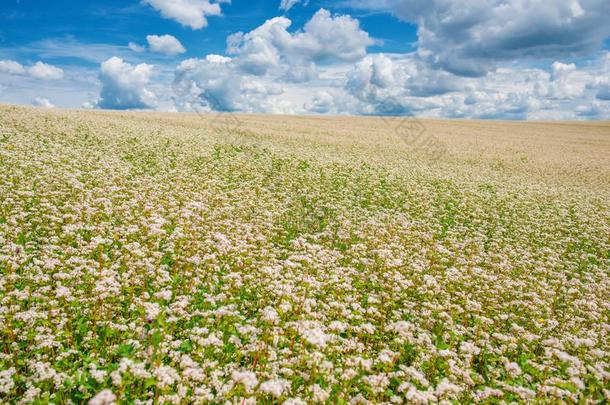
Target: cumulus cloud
[[124, 85], [324, 38], [473, 59], [44, 71], [165, 44], [565, 82], [189, 13], [398, 85], [529, 93], [470, 37], [301, 73], [377, 81], [11, 67], [42, 102], [388, 85], [322, 103], [209, 83], [39, 70], [324, 68], [404, 85], [266, 61], [215, 83]]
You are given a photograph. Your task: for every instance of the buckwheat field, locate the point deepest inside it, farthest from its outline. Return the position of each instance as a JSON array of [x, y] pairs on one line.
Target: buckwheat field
[[182, 258]]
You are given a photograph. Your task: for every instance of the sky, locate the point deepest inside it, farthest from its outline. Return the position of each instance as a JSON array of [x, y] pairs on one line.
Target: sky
[[482, 59]]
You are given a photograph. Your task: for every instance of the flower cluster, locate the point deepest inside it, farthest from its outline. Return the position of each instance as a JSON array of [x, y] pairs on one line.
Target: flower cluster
[[150, 259]]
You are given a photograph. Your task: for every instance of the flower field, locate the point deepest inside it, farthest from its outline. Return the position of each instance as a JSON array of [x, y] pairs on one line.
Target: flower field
[[157, 258]]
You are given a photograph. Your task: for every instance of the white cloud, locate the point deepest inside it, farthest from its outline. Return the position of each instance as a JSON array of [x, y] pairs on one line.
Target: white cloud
[[324, 68], [288, 4], [256, 51], [325, 38], [388, 85], [561, 70], [42, 102], [301, 73], [529, 93], [321, 103], [190, 13], [470, 37], [136, 47], [79, 84], [377, 81], [404, 85], [268, 62], [218, 59], [11, 67], [124, 85], [69, 47], [473, 59], [39, 70], [215, 83], [165, 44], [44, 71]]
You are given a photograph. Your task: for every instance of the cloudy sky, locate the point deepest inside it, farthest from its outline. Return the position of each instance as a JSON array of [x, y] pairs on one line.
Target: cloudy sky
[[497, 59]]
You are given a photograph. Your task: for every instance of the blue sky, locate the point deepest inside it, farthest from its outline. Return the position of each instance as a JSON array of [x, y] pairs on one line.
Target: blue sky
[[119, 22], [453, 59]]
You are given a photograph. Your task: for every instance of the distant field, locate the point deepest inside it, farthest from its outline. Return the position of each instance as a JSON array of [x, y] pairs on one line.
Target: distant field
[[180, 258]]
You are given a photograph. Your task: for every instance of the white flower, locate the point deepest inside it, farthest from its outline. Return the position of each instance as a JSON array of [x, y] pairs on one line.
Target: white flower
[[98, 375], [377, 382], [165, 295], [416, 375], [62, 292], [152, 310], [401, 327], [105, 397], [446, 388], [420, 397], [285, 306], [166, 376], [488, 392], [246, 378], [275, 387], [270, 315], [294, 401], [386, 356], [430, 281], [469, 348], [316, 337], [513, 369], [318, 394], [359, 400], [6, 380]]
